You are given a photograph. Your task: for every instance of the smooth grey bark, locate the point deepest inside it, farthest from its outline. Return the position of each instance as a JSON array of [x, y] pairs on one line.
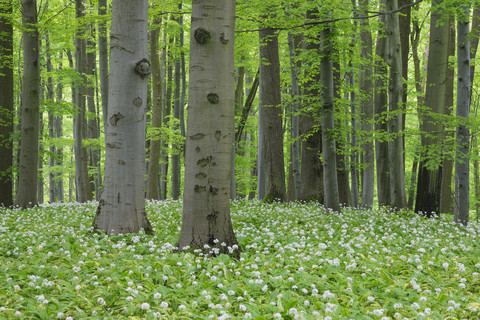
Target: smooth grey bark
[[176, 115], [430, 171], [353, 111], [395, 146], [366, 109], [50, 96], [41, 152], [30, 118], [84, 188], [167, 110], [411, 188], [93, 128], [462, 161], [122, 206], [475, 31], [206, 206], [261, 163], [239, 93], [330, 182], [103, 58], [311, 170], [157, 110], [293, 42], [380, 101], [344, 193], [58, 135], [446, 194], [271, 115], [6, 103]]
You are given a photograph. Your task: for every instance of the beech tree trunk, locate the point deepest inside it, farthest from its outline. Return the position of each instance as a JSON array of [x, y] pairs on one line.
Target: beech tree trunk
[[84, 188], [330, 182], [157, 110], [176, 126], [380, 101], [311, 169], [30, 118], [293, 42], [366, 109], [58, 135], [430, 170], [206, 205], [446, 196], [122, 206], [51, 124], [6, 103], [395, 146], [93, 129], [271, 115], [462, 161], [103, 58]]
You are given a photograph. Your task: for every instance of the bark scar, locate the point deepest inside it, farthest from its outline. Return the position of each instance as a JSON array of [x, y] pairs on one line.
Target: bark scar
[[115, 118]]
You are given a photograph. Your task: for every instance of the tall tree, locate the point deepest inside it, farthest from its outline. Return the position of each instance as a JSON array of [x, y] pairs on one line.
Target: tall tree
[[462, 163], [103, 57], [311, 169], [446, 196], [84, 188], [206, 207], [155, 139], [430, 170], [271, 115], [122, 206], [366, 108], [330, 182], [28, 169], [6, 103], [293, 44], [51, 122], [395, 146], [176, 116], [380, 101]]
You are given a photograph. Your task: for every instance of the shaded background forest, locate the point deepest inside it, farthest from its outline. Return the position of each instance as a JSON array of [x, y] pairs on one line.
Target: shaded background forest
[[399, 153]]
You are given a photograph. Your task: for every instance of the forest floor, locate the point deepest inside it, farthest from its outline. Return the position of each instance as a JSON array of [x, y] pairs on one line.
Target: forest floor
[[297, 262]]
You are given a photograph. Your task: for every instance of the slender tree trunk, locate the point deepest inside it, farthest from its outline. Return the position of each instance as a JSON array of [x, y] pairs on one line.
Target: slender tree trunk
[[155, 139], [176, 127], [311, 170], [330, 182], [28, 169], [395, 146], [122, 206], [84, 189], [239, 93], [59, 135], [353, 108], [381, 110], [344, 193], [166, 119], [103, 58], [411, 189], [270, 108], [462, 161], [366, 109], [206, 207], [50, 96], [6, 103], [446, 196], [430, 170], [293, 42], [93, 132]]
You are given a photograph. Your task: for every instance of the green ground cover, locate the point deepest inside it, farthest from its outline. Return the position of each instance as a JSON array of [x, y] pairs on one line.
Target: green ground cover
[[297, 262]]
